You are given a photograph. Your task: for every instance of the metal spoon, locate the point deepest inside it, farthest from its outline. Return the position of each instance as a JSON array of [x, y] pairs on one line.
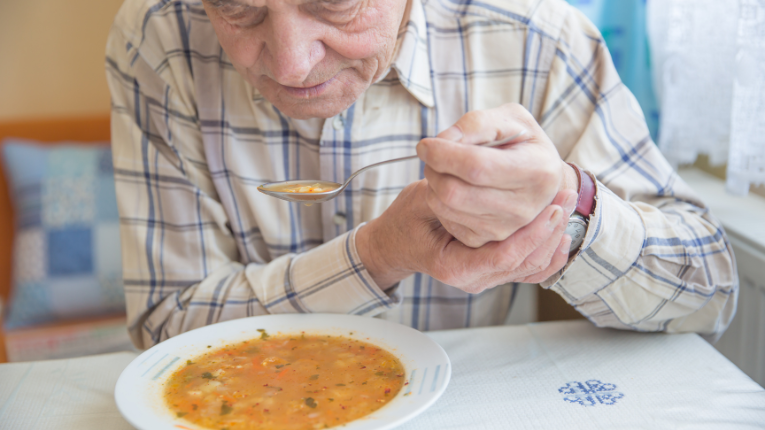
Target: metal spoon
[[272, 188]]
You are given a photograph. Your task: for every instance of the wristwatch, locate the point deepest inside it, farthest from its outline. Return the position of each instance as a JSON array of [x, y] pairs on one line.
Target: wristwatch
[[580, 218]]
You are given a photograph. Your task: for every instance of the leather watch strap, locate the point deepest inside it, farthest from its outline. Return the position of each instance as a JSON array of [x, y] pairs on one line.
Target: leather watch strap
[[586, 200]]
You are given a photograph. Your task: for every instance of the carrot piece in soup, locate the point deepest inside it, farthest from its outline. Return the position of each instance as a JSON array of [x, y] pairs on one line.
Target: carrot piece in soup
[[298, 382]]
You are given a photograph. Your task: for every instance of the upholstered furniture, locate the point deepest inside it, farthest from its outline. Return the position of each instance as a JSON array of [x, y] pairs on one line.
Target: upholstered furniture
[[83, 130]]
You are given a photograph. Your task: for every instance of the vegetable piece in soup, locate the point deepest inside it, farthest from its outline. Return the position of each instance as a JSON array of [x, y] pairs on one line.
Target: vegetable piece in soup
[[285, 382], [318, 187]]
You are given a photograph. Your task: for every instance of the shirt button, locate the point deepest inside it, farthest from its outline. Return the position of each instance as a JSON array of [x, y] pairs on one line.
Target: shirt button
[[339, 219], [337, 123]]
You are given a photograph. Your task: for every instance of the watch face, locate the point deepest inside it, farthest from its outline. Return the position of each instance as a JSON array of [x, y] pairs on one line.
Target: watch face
[[577, 229]]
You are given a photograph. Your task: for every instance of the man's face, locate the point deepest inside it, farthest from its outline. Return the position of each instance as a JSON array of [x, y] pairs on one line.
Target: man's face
[[310, 58]]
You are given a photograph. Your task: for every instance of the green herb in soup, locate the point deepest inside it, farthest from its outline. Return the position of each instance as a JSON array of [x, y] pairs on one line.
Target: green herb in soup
[[285, 382]]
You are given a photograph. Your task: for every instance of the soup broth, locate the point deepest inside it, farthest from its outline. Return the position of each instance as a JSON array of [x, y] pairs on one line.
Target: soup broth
[[318, 187], [285, 382]]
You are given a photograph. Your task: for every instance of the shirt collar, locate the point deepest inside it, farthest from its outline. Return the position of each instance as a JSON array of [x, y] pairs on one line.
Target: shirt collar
[[412, 60]]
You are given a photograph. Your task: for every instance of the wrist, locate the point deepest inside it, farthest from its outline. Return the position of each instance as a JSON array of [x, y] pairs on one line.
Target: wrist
[[570, 183], [378, 261], [570, 179], [585, 202]]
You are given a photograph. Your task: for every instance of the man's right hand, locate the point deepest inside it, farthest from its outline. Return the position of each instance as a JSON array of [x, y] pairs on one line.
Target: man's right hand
[[408, 238]]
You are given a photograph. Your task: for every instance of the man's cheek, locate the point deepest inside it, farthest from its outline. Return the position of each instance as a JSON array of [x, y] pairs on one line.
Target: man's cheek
[[369, 36], [362, 45], [242, 50]]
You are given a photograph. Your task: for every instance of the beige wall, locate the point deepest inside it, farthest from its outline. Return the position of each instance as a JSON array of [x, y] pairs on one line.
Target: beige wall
[[52, 57]]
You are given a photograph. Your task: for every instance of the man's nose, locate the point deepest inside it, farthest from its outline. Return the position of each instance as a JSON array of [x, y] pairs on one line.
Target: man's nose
[[293, 48]]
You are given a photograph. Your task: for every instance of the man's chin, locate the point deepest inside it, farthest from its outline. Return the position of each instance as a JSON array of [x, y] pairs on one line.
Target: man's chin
[[325, 105], [307, 109]]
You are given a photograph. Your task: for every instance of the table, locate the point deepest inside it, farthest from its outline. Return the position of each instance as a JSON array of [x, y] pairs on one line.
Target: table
[[545, 375]]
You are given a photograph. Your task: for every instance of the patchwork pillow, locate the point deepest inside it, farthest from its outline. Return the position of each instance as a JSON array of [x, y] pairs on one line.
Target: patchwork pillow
[[67, 261]]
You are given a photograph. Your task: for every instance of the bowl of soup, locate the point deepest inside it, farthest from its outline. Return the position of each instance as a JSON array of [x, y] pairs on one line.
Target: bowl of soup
[[293, 372]]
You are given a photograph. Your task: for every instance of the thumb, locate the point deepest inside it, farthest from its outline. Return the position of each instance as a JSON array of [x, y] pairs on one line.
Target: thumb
[[566, 199], [453, 133], [488, 125], [460, 256]]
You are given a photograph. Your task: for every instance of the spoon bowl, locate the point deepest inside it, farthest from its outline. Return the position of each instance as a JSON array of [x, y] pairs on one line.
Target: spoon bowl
[[273, 189], [279, 189]]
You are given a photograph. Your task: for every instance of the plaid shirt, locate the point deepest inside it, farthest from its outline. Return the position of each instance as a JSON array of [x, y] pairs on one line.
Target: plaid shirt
[[192, 140]]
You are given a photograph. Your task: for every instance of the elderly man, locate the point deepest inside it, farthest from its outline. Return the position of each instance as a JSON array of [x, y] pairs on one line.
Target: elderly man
[[212, 99]]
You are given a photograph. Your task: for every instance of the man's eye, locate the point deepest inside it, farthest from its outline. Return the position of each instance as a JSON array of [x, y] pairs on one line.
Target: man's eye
[[243, 16], [337, 5], [335, 11]]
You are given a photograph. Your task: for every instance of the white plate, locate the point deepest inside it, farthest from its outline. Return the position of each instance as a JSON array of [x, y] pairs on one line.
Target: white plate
[[139, 388]]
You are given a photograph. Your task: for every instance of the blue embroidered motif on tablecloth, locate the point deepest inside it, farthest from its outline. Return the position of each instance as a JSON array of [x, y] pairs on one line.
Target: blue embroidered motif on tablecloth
[[590, 393]]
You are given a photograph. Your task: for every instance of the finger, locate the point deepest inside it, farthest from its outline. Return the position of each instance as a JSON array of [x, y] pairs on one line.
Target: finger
[[489, 202], [559, 260], [540, 259], [493, 215], [474, 227], [567, 200], [465, 268], [506, 256], [464, 234], [505, 168], [471, 269], [490, 124], [473, 230], [513, 251]]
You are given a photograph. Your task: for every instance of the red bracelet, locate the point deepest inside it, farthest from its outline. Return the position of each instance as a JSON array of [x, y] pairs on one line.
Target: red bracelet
[[586, 200]]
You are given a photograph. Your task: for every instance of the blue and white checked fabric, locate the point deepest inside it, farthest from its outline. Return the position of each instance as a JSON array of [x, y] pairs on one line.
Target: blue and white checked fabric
[[66, 251], [192, 140]]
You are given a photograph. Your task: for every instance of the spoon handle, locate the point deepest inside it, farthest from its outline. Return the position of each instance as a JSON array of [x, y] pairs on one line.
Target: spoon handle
[[371, 166], [412, 157]]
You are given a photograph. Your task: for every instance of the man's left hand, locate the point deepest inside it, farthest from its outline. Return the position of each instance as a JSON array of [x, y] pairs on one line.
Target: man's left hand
[[483, 194]]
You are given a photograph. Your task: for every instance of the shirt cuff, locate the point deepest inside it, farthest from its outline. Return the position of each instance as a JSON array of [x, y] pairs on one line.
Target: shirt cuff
[[329, 278], [613, 242]]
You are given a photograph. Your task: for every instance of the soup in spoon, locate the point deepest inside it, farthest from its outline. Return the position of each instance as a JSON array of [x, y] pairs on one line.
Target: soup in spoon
[[318, 187]]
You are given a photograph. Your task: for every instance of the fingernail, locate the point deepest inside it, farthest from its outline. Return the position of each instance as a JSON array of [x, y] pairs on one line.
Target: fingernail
[[570, 203], [555, 218], [452, 133]]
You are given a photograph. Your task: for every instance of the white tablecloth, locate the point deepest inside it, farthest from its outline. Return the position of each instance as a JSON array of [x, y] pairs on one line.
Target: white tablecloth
[[549, 375]]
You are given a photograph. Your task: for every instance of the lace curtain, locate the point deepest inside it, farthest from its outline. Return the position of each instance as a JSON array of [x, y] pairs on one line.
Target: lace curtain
[[709, 74]]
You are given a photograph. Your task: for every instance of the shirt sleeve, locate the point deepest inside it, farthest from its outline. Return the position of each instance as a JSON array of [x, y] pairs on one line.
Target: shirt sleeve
[[654, 258], [181, 264]]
